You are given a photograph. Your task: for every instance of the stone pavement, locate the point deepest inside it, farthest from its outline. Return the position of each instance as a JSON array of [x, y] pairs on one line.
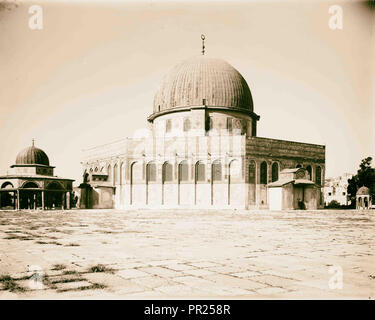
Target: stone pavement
[[108, 254]]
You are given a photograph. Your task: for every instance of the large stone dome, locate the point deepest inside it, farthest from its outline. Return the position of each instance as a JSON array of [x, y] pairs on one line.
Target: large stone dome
[[203, 79], [32, 155]]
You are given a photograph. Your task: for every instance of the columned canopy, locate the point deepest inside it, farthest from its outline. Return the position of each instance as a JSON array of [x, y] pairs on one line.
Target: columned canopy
[[32, 185]]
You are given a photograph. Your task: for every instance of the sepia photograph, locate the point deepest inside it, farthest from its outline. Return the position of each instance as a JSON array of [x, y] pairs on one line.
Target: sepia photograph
[[187, 150]]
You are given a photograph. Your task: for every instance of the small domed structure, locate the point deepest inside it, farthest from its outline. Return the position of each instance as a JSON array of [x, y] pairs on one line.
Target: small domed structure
[[32, 185], [363, 198], [32, 155]]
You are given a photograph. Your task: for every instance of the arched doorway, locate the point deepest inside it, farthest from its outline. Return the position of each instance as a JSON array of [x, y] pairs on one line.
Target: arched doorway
[[54, 197], [8, 196], [30, 196]]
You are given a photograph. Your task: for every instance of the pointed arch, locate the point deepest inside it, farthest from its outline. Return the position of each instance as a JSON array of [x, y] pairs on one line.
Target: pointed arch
[[187, 125], [200, 171], [252, 182], [109, 173], [151, 172], [309, 170], [115, 174], [7, 185], [167, 172], [216, 171], [263, 172], [275, 171], [183, 171]]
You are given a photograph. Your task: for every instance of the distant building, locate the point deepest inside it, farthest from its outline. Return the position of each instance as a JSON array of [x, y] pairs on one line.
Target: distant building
[[32, 185], [337, 189], [202, 151]]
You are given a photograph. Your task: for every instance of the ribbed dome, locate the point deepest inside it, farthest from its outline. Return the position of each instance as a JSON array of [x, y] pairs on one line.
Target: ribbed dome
[[193, 80], [32, 155], [363, 191]]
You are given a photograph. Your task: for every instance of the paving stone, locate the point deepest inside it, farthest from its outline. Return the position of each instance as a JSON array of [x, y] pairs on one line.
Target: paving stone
[[206, 285], [180, 267], [275, 281], [114, 282], [181, 291], [73, 285], [198, 272], [271, 291], [162, 272], [227, 280], [153, 281], [131, 273], [246, 274], [204, 264], [228, 269]]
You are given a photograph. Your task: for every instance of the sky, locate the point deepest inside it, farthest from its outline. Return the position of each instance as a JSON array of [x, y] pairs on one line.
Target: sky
[[88, 77]]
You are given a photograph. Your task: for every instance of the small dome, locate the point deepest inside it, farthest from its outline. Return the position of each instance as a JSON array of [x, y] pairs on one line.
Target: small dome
[[32, 155], [201, 78], [363, 191]]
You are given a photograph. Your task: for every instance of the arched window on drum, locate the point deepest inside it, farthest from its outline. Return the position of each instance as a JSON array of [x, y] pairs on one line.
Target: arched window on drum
[[275, 171], [252, 175], [187, 125], [263, 172], [309, 170]]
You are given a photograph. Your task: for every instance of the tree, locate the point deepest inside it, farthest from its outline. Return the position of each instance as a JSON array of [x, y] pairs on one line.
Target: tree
[[334, 205], [365, 177]]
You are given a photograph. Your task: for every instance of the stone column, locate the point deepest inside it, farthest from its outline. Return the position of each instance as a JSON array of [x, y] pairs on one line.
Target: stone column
[[63, 200], [67, 200], [18, 199], [43, 200]]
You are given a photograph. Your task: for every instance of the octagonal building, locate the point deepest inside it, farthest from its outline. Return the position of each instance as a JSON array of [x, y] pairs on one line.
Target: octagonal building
[[202, 151]]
